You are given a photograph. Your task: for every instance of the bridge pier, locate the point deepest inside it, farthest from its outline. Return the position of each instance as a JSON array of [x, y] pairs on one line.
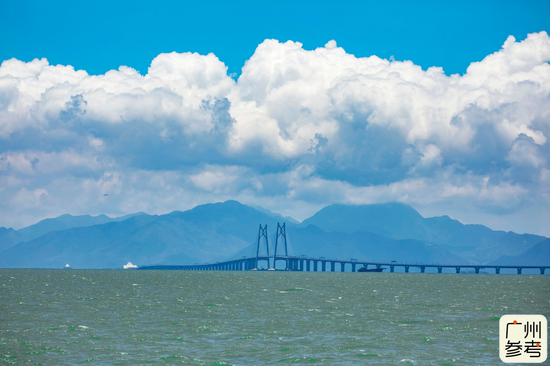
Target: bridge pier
[[406, 269], [422, 269], [392, 268], [476, 269], [353, 267], [519, 270], [439, 269], [497, 270], [457, 269], [342, 267], [323, 266], [542, 270], [308, 265], [332, 265]]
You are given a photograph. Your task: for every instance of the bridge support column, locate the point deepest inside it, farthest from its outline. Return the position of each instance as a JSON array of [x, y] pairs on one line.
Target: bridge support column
[[519, 270], [332, 265], [439, 269], [392, 268], [476, 269], [353, 267], [542, 270], [342, 266], [457, 269], [323, 265], [497, 270], [308, 264], [422, 269], [406, 269]]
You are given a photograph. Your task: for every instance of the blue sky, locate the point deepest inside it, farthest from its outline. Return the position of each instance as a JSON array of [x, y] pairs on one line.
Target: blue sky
[[101, 35], [135, 106]]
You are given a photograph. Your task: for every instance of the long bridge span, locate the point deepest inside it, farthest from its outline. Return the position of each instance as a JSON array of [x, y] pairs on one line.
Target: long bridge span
[[293, 263], [321, 264]]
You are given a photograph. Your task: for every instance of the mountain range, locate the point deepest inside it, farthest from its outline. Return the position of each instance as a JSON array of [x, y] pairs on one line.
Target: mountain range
[[216, 232]]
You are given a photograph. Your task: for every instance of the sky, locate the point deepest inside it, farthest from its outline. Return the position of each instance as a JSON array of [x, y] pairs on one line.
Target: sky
[[120, 107]]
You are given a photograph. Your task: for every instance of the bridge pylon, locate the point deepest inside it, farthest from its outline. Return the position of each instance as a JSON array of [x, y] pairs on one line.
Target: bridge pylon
[[262, 233], [281, 232]]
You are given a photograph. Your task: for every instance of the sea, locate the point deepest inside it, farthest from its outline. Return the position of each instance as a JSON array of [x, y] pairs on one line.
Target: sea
[[135, 317]]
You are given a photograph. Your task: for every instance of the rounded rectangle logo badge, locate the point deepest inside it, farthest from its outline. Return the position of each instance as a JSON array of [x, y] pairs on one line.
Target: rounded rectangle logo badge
[[523, 338]]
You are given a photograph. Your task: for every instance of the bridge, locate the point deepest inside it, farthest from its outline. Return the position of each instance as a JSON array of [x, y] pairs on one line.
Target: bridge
[[310, 264]]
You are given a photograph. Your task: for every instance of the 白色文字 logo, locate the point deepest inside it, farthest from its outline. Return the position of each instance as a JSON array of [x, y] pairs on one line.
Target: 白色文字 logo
[[523, 339]]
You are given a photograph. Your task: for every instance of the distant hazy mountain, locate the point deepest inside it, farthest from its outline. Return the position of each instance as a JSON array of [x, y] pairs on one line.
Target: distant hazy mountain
[[215, 232], [399, 221], [10, 237], [537, 255], [206, 233], [275, 215]]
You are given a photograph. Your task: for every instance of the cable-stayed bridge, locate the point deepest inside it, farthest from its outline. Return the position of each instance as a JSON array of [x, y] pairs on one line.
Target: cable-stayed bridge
[[264, 261]]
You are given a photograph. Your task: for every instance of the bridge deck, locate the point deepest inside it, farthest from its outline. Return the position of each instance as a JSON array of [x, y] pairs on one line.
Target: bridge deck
[[294, 263]]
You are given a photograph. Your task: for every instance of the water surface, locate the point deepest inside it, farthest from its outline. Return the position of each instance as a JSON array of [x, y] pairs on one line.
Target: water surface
[[115, 317]]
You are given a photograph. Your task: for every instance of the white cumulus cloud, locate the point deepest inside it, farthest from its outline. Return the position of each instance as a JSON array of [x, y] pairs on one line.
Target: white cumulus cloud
[[299, 129]]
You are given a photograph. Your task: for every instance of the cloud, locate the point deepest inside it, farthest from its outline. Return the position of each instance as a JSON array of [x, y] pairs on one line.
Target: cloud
[[299, 129]]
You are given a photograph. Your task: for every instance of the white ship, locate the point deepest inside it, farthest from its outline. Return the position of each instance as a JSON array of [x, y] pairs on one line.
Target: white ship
[[130, 266]]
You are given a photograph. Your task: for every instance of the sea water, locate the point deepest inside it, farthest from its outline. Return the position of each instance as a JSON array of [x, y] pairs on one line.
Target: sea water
[[116, 317]]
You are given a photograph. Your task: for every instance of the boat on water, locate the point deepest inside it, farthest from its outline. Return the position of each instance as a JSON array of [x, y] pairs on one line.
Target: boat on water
[[365, 269], [67, 266], [130, 266]]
